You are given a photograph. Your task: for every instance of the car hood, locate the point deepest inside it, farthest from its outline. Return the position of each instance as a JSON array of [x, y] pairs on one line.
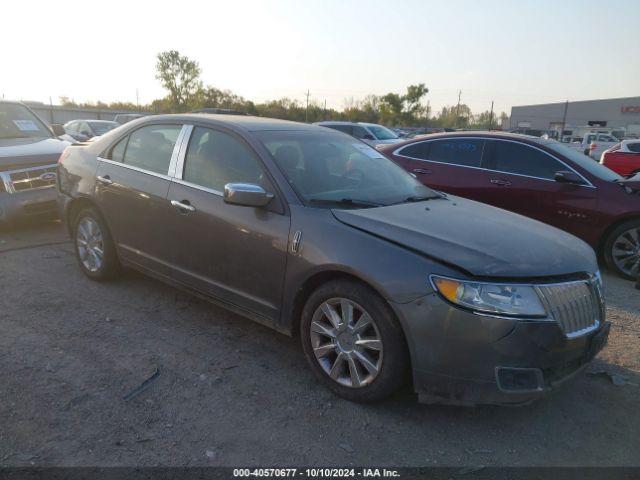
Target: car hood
[[24, 152], [481, 240]]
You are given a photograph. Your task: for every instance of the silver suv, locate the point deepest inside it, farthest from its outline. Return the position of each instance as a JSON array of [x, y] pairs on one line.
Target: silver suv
[[29, 152], [370, 133]]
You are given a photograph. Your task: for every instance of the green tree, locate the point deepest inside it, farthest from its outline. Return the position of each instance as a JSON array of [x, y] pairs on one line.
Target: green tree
[[181, 77]]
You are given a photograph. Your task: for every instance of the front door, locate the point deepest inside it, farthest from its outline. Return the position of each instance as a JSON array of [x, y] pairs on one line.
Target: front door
[[522, 180], [234, 253], [131, 191]]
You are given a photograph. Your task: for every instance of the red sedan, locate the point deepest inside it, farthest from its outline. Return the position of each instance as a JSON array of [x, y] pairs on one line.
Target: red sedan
[[623, 158], [538, 178]]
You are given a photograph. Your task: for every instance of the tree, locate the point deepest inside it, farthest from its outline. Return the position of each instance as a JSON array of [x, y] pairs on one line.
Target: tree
[[412, 99], [180, 76]]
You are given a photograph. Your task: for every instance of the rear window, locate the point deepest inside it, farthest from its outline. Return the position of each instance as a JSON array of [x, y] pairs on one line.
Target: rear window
[[634, 147]]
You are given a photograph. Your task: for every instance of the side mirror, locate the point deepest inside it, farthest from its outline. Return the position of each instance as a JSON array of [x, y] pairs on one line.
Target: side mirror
[[568, 177], [246, 194], [57, 129]]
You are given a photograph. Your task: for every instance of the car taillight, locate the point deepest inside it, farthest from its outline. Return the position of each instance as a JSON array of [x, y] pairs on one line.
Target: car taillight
[[65, 153]]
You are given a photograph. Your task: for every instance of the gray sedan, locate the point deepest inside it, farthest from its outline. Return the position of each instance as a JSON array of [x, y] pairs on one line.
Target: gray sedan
[[316, 234]]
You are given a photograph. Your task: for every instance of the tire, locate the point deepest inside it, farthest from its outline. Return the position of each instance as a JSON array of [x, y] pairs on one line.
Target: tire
[[356, 348], [625, 237], [88, 226]]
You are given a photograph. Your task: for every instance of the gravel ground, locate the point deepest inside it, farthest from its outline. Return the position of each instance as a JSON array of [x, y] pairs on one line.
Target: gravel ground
[[231, 392]]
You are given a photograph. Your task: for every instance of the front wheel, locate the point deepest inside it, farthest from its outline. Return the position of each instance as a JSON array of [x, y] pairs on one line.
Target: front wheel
[[353, 341], [622, 249], [94, 246]]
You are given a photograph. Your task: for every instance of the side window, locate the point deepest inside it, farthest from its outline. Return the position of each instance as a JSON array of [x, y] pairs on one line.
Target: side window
[[510, 157], [215, 158], [634, 147], [117, 151], [150, 148], [348, 129], [360, 132], [417, 150], [457, 151]]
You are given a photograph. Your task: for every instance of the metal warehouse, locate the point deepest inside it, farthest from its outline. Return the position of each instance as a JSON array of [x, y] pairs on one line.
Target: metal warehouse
[[620, 113]]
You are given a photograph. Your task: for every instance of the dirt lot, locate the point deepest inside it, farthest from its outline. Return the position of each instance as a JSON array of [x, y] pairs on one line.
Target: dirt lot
[[231, 392]]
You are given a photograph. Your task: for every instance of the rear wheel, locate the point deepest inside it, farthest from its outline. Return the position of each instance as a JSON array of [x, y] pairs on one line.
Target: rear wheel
[[353, 341], [622, 249], [94, 246]]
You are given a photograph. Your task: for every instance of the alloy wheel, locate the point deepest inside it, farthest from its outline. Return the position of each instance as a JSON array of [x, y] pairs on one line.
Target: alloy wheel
[[626, 252], [90, 244], [346, 342]]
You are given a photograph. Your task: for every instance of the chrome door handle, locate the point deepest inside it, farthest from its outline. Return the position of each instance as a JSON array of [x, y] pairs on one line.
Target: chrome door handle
[[502, 183], [105, 180], [183, 206], [423, 171]]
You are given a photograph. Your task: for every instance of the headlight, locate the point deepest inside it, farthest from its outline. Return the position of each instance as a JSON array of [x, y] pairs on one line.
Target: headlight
[[502, 299]]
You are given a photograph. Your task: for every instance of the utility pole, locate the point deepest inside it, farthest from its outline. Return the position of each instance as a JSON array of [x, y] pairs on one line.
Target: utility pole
[[458, 108], [306, 111], [427, 119], [564, 118], [137, 101], [324, 117], [491, 116]]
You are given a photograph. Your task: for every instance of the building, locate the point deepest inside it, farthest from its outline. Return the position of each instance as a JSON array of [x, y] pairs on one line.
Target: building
[[618, 113]]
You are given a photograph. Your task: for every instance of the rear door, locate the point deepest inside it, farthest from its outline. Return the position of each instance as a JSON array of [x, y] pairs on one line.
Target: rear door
[[452, 165], [131, 191], [234, 253]]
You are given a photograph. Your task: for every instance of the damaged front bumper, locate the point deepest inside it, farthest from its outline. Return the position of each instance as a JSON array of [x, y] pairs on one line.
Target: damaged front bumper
[[463, 358]]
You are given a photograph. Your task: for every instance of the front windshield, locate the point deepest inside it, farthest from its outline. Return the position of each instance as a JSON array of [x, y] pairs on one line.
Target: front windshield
[[382, 133], [100, 128], [17, 121], [584, 161], [327, 167]]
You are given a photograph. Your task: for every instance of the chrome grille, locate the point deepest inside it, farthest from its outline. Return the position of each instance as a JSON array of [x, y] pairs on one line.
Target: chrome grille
[[24, 179], [576, 306]]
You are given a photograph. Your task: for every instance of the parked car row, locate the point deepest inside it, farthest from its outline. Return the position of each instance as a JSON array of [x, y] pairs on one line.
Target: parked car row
[[317, 234], [29, 151], [539, 178], [370, 133]]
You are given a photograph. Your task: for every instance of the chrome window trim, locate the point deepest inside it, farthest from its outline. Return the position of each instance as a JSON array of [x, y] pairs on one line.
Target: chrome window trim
[[182, 152], [136, 169], [173, 163], [396, 153], [5, 176], [198, 187]]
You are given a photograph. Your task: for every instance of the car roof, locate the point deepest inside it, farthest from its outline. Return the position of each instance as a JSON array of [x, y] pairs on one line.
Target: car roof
[[244, 122], [335, 122], [467, 133]]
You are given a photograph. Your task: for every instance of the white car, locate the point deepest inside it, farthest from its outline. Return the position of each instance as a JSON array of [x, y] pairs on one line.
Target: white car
[[370, 133]]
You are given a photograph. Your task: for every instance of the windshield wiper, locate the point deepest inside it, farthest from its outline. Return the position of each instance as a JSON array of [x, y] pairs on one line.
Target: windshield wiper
[[344, 201], [418, 198]]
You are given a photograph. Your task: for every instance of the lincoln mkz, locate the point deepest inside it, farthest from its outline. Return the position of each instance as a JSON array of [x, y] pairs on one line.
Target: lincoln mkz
[[316, 234]]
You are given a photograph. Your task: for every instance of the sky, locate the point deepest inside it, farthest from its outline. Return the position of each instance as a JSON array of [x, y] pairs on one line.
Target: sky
[[511, 52]]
